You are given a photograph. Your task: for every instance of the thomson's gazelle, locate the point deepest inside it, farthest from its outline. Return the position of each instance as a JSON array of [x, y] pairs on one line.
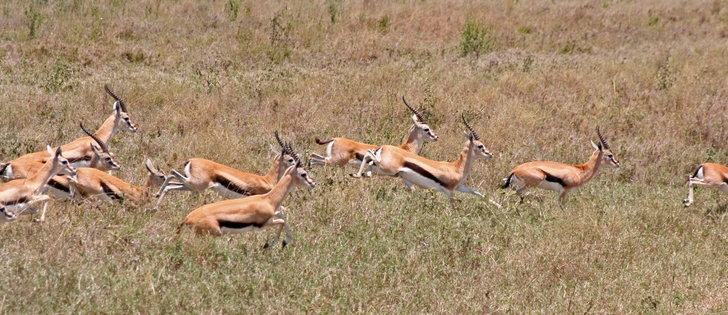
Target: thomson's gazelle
[[560, 177], [252, 213], [78, 151], [342, 151], [18, 194], [91, 182], [708, 175], [443, 176], [103, 160], [202, 174]]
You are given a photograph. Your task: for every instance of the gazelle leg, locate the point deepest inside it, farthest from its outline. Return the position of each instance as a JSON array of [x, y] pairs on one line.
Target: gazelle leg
[[271, 222], [693, 181], [167, 186], [369, 156], [289, 235], [468, 190]]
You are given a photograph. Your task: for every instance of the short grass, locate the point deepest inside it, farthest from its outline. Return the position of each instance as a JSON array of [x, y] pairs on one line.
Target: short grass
[[215, 79]]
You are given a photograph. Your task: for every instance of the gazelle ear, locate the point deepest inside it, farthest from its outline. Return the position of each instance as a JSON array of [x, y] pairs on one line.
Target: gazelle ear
[[414, 119], [50, 150], [274, 150], [468, 136], [58, 152], [594, 145]]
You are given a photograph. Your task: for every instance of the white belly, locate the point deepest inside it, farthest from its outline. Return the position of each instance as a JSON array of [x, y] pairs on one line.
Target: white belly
[[419, 180], [550, 186], [220, 189]]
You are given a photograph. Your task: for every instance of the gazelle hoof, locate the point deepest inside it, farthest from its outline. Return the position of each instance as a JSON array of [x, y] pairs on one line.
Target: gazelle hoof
[[686, 202], [284, 244], [355, 175], [267, 245]]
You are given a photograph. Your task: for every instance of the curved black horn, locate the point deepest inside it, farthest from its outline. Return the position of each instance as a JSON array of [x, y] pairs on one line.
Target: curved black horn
[[103, 145], [419, 115], [601, 138], [475, 134], [283, 146], [118, 99]]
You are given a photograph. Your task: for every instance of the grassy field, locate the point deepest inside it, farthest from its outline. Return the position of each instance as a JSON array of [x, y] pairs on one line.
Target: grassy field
[[215, 79]]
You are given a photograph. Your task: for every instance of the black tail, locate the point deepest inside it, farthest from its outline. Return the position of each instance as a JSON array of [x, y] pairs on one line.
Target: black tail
[[507, 181], [695, 174], [318, 141]]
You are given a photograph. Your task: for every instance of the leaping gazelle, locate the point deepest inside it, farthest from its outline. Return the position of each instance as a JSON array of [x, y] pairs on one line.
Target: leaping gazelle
[[708, 175], [252, 213], [203, 174], [78, 151], [443, 176], [560, 177], [342, 151]]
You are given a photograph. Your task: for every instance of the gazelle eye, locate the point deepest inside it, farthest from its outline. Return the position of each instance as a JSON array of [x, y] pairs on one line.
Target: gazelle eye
[[303, 175], [427, 130], [481, 147]]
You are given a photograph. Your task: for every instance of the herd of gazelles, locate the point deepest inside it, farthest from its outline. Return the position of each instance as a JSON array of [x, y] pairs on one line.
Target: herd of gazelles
[[80, 169]]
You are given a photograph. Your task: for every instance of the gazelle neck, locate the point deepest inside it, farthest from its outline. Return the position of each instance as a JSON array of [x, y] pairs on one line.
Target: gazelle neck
[[276, 170], [44, 174], [413, 142], [465, 162], [281, 189], [108, 129], [590, 168]]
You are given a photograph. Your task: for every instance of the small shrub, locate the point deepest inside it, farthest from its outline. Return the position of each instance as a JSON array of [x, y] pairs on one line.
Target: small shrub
[[35, 21], [280, 38], [474, 39], [233, 7]]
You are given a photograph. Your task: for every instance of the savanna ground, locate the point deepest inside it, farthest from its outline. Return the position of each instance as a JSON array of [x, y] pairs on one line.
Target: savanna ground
[[215, 79]]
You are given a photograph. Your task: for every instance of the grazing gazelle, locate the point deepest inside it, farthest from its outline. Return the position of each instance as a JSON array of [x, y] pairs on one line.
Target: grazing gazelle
[[18, 194], [252, 213], [103, 160], [342, 151], [91, 182], [708, 175], [78, 151], [560, 177], [443, 176], [203, 174]]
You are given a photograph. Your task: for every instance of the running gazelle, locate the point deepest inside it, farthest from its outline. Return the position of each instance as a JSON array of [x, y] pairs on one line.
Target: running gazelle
[[443, 176], [18, 194], [203, 174], [252, 213], [560, 177], [342, 151], [710, 175]]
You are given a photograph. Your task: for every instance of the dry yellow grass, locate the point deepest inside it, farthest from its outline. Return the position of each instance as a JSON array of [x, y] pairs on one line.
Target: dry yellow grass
[[216, 79]]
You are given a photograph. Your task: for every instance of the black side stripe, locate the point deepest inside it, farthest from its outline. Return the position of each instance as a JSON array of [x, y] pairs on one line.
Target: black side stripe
[[229, 185], [423, 172], [238, 225], [359, 156], [554, 179], [55, 184], [110, 192]]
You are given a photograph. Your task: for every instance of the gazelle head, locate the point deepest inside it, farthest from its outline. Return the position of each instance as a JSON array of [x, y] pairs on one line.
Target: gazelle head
[[422, 129], [156, 175], [607, 154], [122, 115], [60, 163], [298, 172], [476, 144], [106, 161], [7, 215], [286, 154]]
